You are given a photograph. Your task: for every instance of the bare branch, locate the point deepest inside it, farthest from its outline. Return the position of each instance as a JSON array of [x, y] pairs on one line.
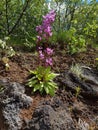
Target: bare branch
[[20, 17], [7, 20]]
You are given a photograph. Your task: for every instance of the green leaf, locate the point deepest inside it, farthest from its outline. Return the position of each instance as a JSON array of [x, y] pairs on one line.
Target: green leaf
[[32, 78], [51, 91], [36, 87], [96, 59], [51, 76], [47, 70], [32, 83], [46, 89], [52, 84]]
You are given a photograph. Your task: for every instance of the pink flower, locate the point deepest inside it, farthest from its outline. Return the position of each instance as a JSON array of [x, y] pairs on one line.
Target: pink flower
[[49, 62], [50, 17], [49, 51], [44, 35], [41, 55], [38, 28], [39, 38], [40, 32], [40, 48], [50, 34], [48, 29]]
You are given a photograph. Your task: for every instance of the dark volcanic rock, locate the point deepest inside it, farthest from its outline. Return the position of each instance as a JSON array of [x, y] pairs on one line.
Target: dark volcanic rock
[[87, 81], [12, 101], [51, 116]]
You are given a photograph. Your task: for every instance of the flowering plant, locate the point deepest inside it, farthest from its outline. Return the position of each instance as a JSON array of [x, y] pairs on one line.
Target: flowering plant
[[42, 77]]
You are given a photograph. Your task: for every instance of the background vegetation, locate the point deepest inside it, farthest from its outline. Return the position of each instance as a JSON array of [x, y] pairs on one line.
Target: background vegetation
[[76, 24]]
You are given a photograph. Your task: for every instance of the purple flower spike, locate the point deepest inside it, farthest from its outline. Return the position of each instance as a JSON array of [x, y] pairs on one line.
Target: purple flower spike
[[44, 32]]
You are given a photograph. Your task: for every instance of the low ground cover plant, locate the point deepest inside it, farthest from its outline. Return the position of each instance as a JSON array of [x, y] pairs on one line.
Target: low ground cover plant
[[42, 80]]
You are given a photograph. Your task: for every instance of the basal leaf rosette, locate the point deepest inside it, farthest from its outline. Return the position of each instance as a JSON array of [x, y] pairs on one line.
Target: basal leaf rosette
[[42, 80]]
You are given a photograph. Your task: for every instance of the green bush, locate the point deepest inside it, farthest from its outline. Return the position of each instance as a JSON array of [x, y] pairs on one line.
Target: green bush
[[75, 43]]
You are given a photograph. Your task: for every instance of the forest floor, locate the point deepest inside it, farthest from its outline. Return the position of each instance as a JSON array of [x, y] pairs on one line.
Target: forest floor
[[24, 61]]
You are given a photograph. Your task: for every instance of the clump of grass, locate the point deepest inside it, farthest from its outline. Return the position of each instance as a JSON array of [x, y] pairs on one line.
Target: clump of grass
[[77, 70]]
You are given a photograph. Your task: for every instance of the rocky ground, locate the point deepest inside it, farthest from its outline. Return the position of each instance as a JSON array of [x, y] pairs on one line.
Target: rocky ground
[[74, 106]]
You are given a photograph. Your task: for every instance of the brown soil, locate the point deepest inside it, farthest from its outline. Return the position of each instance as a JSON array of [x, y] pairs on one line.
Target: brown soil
[[23, 61]]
